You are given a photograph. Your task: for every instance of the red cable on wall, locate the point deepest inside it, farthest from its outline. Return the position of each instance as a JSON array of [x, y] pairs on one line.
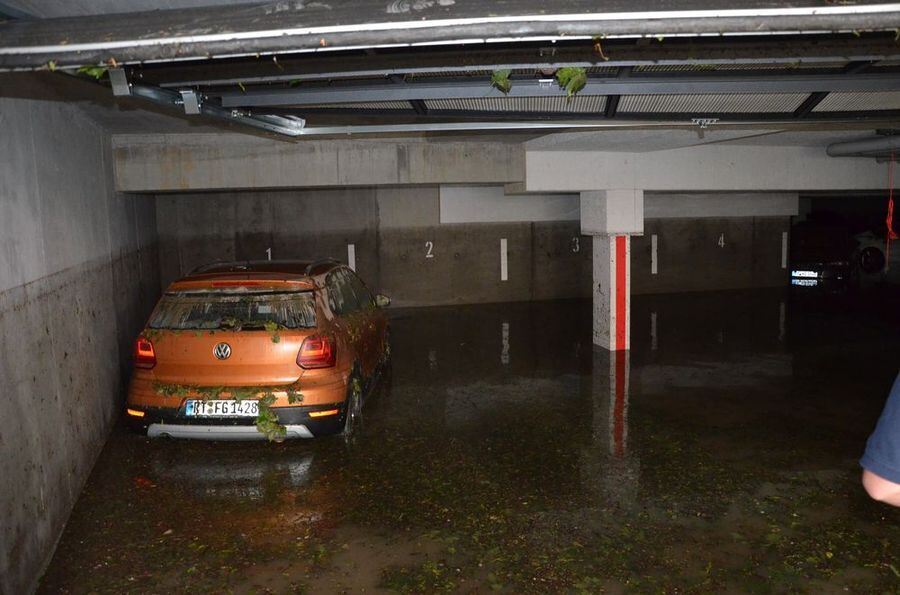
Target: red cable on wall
[[891, 234]]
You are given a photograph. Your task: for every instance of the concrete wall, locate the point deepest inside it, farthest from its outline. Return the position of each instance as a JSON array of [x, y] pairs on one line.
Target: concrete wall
[[401, 247], [709, 254], [78, 274], [404, 250]]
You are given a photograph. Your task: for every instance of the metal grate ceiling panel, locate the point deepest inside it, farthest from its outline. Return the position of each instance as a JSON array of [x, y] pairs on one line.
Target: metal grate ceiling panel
[[716, 104], [737, 66], [374, 105], [578, 104], [852, 102]]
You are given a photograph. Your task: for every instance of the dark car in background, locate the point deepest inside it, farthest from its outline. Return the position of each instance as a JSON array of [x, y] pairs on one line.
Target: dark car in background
[[822, 250]]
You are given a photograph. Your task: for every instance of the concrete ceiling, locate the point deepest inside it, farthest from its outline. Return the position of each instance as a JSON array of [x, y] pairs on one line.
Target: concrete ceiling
[[48, 9]]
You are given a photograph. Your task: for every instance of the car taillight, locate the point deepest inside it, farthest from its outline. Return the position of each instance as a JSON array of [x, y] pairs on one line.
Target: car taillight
[[144, 355], [317, 352]]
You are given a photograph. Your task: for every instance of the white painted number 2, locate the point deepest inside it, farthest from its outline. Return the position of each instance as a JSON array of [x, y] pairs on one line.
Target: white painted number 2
[[576, 245], [721, 241], [268, 254], [429, 249]]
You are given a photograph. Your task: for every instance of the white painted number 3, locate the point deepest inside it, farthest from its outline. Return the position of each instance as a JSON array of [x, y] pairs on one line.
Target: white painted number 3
[[721, 240], [576, 246], [429, 249]]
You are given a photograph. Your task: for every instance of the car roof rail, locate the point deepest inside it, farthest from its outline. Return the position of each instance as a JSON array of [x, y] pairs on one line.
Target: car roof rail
[[317, 263]]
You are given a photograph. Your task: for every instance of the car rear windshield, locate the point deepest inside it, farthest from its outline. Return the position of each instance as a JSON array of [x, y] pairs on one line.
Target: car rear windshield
[[186, 311]]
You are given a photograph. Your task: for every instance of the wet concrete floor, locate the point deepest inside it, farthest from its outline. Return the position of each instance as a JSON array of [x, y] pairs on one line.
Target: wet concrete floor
[[503, 454]]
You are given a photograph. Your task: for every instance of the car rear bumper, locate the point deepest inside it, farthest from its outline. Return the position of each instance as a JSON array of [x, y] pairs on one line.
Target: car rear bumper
[[172, 422], [205, 432]]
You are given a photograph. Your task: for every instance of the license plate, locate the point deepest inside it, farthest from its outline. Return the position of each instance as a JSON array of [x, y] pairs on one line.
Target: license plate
[[222, 408], [804, 282], [804, 274]]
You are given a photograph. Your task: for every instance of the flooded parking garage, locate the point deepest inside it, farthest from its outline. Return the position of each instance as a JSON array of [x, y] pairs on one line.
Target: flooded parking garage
[[501, 453], [638, 258]]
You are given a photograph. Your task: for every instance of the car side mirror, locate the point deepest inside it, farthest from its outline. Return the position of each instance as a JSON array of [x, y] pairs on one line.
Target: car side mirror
[[382, 301]]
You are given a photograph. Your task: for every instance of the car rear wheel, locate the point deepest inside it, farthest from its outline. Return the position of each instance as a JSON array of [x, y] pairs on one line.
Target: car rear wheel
[[871, 260]]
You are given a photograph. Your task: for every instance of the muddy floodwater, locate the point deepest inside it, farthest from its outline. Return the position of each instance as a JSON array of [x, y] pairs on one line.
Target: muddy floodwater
[[502, 453]]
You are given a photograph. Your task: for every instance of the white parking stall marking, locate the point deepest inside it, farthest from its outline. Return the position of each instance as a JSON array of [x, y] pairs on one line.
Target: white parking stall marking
[[784, 247], [351, 256], [504, 265]]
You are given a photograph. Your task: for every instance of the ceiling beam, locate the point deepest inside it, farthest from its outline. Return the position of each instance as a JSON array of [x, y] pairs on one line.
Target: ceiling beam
[[262, 29], [789, 53], [612, 106], [814, 99], [666, 85], [809, 104], [612, 101]]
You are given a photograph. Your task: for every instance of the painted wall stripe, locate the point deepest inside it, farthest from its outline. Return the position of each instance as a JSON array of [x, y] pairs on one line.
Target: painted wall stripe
[[621, 264], [654, 245], [504, 265], [504, 342], [784, 248], [351, 256]]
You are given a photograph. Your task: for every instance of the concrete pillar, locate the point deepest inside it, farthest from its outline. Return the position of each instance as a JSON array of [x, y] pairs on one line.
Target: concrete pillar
[[612, 217], [612, 292]]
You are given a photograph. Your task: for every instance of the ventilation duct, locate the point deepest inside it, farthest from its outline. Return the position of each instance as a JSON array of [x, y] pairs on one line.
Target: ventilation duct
[[882, 145]]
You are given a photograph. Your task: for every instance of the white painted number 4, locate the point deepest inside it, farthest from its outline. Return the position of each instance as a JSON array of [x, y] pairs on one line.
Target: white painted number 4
[[721, 240], [429, 249]]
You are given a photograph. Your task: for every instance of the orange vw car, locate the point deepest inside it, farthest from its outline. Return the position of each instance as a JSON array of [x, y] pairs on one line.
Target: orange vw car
[[250, 350]]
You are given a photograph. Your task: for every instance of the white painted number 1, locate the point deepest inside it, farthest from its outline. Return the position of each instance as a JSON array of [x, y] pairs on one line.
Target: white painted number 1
[[721, 240], [268, 254], [429, 249]]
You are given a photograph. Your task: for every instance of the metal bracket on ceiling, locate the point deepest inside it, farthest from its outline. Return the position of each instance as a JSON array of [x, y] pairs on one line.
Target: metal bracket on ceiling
[[191, 101], [285, 125], [702, 124], [119, 81]]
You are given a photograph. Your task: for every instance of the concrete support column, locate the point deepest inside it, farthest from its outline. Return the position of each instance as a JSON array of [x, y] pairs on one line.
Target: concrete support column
[[612, 217], [612, 292]]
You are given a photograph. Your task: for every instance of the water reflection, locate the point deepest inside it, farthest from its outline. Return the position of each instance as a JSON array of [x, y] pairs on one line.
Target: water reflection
[[241, 476]]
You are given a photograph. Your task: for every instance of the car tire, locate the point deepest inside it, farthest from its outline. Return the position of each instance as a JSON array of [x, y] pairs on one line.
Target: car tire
[[871, 260]]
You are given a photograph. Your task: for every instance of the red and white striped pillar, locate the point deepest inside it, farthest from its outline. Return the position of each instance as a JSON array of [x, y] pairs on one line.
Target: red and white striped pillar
[[612, 217], [612, 292]]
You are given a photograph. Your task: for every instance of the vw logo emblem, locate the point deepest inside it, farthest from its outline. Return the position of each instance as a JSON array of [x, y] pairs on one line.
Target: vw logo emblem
[[222, 351]]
